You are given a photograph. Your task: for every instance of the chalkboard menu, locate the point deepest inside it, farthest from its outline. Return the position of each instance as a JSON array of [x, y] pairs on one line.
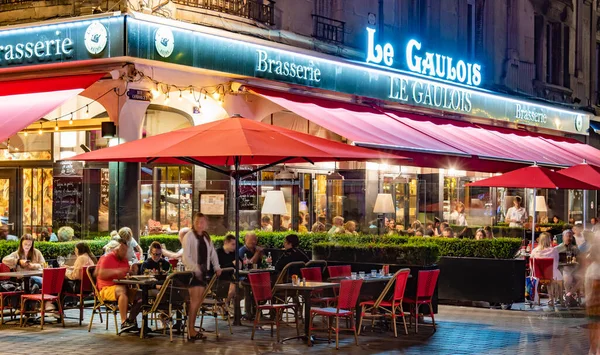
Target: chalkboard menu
[[67, 204], [249, 193]]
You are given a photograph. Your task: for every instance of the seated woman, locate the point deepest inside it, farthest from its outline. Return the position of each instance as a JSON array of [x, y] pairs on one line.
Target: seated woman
[[545, 250], [26, 258], [73, 274], [291, 253]]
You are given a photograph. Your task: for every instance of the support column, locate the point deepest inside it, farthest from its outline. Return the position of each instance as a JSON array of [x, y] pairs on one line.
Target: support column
[[124, 200]]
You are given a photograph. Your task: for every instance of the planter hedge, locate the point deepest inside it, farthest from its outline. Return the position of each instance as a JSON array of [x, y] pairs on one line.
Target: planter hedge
[[499, 248], [421, 254]]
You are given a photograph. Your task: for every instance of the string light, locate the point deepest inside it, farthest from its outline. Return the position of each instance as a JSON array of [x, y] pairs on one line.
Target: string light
[[167, 98], [87, 111], [180, 96], [216, 95], [56, 125], [41, 130], [155, 92], [71, 120], [25, 133]]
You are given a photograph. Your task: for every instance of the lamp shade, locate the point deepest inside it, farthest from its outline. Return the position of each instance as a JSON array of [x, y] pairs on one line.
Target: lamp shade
[[274, 203], [540, 204], [384, 204]]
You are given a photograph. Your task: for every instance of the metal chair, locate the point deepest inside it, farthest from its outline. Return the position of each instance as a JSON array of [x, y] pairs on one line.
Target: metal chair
[[85, 290], [317, 263], [426, 282], [314, 274], [387, 308], [261, 288], [214, 298], [109, 306], [543, 269], [169, 301], [349, 292], [52, 282], [284, 277], [8, 295]]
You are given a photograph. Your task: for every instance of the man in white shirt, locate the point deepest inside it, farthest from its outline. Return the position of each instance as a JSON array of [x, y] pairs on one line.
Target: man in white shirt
[[579, 237], [516, 215], [458, 216]]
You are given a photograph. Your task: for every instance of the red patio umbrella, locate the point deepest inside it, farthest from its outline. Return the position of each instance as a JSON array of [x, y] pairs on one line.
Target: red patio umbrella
[[534, 177], [234, 142], [587, 173]]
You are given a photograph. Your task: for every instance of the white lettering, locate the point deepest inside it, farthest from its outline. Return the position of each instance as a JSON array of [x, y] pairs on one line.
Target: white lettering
[[416, 64], [283, 68]]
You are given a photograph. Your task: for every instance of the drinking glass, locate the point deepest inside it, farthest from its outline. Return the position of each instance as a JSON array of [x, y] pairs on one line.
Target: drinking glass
[[353, 275], [361, 274], [373, 273], [61, 261]]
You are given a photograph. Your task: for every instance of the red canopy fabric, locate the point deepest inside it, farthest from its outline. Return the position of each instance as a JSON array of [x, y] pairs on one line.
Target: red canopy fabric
[[219, 143], [534, 177], [25, 101], [590, 174], [433, 142]]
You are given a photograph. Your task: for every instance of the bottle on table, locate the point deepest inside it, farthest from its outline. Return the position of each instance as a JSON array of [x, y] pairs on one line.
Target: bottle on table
[[180, 266], [246, 262], [269, 260], [554, 241]]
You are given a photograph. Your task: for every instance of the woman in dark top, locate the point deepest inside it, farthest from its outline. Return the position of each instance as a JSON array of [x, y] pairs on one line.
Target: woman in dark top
[[291, 253]]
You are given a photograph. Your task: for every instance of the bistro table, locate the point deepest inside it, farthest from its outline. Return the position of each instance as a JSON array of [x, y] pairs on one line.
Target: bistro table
[[25, 275], [305, 290], [144, 283]]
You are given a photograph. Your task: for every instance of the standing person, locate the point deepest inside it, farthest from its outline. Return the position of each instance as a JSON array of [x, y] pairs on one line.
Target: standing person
[[176, 254], [595, 225], [73, 273], [251, 250], [265, 223], [115, 265], [516, 216], [580, 238], [198, 256], [458, 216], [592, 295]]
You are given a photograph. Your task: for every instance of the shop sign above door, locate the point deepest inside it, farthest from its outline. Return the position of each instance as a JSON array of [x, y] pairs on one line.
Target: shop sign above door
[[62, 42]]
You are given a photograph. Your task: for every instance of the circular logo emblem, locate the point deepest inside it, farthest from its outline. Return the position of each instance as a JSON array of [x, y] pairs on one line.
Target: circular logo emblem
[[579, 123], [164, 42], [95, 38]]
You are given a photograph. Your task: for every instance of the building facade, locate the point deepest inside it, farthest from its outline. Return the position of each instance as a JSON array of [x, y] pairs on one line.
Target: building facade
[[423, 78]]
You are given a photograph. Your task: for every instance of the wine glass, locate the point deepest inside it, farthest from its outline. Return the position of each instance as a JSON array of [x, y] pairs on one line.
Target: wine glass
[[61, 261]]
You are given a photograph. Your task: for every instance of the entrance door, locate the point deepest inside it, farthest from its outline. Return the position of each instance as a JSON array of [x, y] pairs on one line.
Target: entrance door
[[8, 202]]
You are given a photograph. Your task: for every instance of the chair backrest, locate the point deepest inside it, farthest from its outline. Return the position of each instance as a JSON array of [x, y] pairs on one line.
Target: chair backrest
[[52, 280], [312, 274], [261, 286], [170, 290], [426, 283], [401, 278], [543, 268], [340, 271], [86, 283], [221, 287], [348, 294], [173, 263], [90, 270], [317, 263], [4, 268], [293, 267]]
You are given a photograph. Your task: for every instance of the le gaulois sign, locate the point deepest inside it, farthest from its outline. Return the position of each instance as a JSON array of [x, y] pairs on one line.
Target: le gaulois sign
[[425, 63]]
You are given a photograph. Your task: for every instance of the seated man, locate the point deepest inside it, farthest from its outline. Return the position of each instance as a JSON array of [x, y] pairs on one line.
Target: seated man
[[115, 265], [156, 262], [227, 258], [291, 253], [569, 271], [250, 249]]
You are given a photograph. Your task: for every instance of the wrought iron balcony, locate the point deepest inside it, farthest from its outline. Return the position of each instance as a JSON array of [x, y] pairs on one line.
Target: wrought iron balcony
[[261, 11], [328, 29]]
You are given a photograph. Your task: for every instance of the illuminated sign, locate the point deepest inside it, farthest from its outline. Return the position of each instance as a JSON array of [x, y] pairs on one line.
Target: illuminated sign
[[289, 69], [425, 63]]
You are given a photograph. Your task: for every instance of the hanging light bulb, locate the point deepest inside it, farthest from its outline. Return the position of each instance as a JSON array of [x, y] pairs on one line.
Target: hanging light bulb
[[180, 96], [191, 90], [167, 98], [56, 125], [87, 111], [155, 92], [216, 95], [25, 133], [71, 120], [41, 130]]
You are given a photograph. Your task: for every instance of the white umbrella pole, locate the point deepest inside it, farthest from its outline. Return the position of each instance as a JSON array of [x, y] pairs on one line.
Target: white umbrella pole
[[533, 223], [584, 208]]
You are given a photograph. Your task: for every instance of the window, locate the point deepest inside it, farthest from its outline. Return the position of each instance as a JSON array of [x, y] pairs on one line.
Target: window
[[471, 28], [538, 52], [566, 57], [597, 73], [553, 53], [419, 16]]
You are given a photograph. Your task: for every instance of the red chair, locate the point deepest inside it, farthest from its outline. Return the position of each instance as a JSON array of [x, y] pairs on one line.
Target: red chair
[[5, 295], [261, 288], [314, 274], [52, 282], [349, 292], [85, 290], [425, 287], [543, 269], [387, 308], [339, 271]]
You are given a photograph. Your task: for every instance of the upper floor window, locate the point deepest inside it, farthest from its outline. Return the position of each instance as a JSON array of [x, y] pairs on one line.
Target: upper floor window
[[328, 29], [474, 27], [258, 10]]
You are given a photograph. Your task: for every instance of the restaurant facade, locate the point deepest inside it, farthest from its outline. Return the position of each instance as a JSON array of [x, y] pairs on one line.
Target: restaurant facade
[[105, 79]]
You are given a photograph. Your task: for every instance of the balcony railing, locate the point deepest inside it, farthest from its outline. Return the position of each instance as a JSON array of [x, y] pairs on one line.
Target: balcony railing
[[328, 29], [261, 11]]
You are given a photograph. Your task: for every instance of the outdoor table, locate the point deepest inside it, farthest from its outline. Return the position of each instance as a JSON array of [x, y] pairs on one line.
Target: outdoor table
[[25, 275], [560, 265], [305, 290], [144, 284]]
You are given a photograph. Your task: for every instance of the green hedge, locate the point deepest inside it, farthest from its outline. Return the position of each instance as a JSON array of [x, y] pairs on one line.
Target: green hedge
[[499, 248], [421, 254]]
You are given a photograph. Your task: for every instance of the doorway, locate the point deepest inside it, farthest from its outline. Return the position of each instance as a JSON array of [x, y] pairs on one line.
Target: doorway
[[8, 200]]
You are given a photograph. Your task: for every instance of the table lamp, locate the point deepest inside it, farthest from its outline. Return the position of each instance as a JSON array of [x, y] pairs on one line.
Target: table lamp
[[384, 204]]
